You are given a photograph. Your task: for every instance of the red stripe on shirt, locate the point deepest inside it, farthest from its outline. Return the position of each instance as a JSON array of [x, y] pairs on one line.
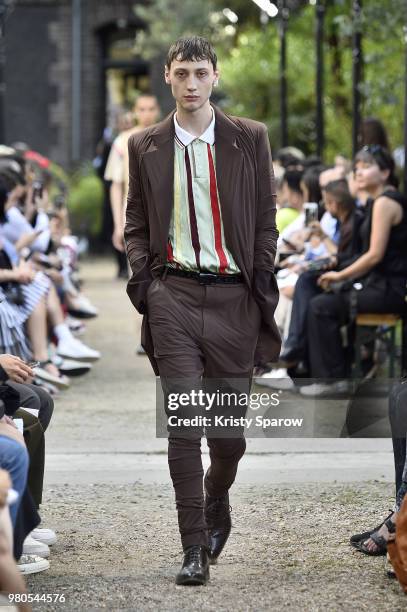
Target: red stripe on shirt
[[217, 226], [170, 254], [192, 216]]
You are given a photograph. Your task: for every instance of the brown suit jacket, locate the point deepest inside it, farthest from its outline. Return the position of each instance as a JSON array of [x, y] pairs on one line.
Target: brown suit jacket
[[247, 197]]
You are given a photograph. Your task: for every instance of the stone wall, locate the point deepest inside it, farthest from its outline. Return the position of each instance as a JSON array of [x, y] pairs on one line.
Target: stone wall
[[38, 74]]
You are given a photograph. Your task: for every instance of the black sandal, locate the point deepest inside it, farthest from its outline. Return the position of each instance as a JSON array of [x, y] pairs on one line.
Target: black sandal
[[380, 541], [360, 537]]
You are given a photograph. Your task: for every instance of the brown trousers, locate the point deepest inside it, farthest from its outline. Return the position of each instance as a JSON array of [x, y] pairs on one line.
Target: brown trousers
[[204, 336]]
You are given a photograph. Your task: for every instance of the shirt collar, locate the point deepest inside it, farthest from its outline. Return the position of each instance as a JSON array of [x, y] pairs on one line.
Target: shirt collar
[[186, 138]]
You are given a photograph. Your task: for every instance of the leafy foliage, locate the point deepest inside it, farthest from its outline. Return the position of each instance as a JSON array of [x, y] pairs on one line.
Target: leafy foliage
[[85, 202], [249, 60]]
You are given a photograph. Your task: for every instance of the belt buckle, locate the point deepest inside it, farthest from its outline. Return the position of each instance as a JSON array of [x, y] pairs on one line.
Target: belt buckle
[[206, 278]]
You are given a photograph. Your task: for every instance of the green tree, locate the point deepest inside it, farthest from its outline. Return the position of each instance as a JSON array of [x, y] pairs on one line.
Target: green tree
[[167, 20], [249, 60]]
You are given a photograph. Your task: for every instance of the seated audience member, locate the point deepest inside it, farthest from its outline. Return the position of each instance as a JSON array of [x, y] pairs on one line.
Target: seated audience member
[[291, 199], [293, 237], [309, 246], [11, 580], [341, 206], [310, 184], [374, 541], [15, 379], [372, 132], [328, 223], [13, 458], [16, 391], [26, 225], [375, 282], [29, 297]]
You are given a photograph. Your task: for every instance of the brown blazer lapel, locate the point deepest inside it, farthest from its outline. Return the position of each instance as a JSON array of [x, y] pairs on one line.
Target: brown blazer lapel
[[159, 165], [229, 165]]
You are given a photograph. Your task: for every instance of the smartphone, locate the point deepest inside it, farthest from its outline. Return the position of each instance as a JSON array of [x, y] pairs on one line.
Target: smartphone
[[37, 191], [59, 202], [33, 364], [311, 212]]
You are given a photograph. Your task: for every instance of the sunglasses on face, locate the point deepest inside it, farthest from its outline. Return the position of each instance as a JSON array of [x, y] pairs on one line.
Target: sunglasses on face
[[373, 149]]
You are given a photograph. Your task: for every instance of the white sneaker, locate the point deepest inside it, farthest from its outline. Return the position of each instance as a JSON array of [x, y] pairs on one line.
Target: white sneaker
[[32, 564], [81, 307], [62, 382], [76, 326], [324, 389], [276, 379], [72, 348], [46, 536], [35, 547], [51, 389], [74, 368]]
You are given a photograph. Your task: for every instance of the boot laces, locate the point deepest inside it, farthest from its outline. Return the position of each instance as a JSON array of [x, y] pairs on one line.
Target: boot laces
[[193, 555], [216, 509]]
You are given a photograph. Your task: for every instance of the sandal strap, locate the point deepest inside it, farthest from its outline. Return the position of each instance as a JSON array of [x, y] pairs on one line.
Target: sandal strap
[[45, 363], [391, 527], [379, 541]]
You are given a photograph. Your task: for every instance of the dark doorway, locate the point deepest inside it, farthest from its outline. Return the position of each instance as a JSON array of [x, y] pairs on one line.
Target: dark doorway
[[124, 73]]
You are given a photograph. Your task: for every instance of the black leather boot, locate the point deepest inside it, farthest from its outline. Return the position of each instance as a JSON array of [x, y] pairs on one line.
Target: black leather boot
[[219, 523], [195, 568]]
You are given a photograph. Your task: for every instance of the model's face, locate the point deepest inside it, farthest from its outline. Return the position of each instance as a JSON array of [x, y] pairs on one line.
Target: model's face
[[146, 111], [191, 83], [369, 176]]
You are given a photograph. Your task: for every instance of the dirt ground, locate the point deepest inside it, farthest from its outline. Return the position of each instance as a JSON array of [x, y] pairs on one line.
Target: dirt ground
[[118, 549]]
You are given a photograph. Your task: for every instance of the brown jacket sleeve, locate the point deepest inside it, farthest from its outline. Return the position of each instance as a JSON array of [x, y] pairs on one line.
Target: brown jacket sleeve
[[265, 290], [137, 233], [266, 231]]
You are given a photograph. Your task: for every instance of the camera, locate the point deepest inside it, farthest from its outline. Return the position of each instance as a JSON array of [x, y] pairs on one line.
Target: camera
[[37, 191], [59, 202]]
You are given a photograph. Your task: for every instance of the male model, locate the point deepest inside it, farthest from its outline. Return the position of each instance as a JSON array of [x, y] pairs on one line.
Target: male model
[[201, 237]]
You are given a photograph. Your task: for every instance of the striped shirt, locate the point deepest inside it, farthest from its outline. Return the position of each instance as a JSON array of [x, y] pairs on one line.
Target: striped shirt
[[196, 238]]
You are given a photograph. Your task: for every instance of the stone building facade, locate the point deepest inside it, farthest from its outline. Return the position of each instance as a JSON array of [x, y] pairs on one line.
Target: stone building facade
[[60, 55]]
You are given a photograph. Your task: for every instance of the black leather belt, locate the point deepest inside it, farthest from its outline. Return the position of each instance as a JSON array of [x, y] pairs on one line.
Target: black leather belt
[[206, 278]]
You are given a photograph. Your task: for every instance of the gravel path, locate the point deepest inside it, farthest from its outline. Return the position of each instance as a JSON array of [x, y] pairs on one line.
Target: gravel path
[[288, 550]]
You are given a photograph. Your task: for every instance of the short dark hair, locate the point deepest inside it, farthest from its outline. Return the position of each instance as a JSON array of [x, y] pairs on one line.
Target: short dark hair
[[145, 94], [293, 180], [311, 180], [10, 178], [339, 190], [192, 49]]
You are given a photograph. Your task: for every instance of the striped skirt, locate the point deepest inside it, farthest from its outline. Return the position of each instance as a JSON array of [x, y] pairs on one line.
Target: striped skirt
[[13, 338]]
